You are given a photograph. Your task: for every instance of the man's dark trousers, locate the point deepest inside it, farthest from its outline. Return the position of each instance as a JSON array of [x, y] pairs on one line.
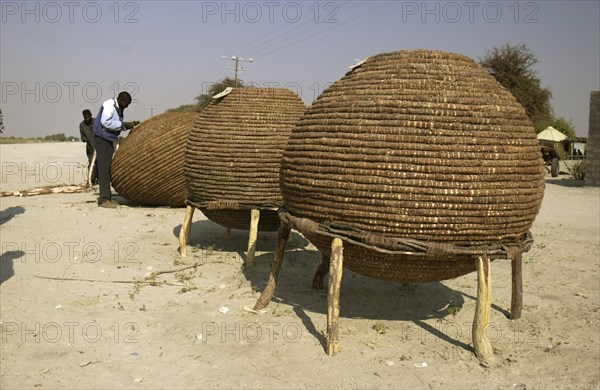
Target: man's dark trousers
[[104, 153]]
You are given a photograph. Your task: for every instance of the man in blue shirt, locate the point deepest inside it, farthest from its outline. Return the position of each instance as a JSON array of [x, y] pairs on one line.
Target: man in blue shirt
[[107, 127]]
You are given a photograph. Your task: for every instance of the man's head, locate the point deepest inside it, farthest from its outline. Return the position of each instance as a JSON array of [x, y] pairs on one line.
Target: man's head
[[87, 116], [124, 100]]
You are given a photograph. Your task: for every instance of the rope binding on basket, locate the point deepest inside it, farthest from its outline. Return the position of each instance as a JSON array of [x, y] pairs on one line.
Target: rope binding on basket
[[405, 246], [228, 204]]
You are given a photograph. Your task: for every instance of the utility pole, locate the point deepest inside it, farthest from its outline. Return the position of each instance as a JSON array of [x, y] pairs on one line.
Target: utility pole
[[237, 67], [151, 109]]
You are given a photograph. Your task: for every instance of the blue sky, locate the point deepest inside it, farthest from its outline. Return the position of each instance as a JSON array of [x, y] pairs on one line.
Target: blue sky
[[57, 58]]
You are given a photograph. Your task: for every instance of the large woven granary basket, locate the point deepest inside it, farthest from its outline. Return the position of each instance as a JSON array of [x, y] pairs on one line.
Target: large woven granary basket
[[421, 162], [233, 155], [148, 166]]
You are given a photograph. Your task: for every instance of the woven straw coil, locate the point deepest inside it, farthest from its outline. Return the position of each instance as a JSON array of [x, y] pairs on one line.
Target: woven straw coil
[[233, 155], [148, 166], [420, 144]]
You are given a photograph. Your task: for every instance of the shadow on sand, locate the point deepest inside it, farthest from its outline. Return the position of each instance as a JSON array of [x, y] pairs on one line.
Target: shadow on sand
[[10, 213], [6, 264], [7, 258], [566, 182], [361, 296]]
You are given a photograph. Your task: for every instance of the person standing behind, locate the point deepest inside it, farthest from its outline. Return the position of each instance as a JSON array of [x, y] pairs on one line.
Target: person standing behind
[[107, 127], [87, 136]]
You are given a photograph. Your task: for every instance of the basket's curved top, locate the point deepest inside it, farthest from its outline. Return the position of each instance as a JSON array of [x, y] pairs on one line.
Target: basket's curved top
[[416, 144], [148, 166], [233, 153]]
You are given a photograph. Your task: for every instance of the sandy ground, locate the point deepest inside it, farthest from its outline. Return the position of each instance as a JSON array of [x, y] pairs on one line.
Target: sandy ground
[[114, 333]]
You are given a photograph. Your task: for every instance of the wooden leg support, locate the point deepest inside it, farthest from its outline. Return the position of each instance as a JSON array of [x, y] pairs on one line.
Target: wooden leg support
[[184, 233], [254, 218], [267, 294], [516, 304], [91, 171], [481, 342], [333, 297], [321, 273]]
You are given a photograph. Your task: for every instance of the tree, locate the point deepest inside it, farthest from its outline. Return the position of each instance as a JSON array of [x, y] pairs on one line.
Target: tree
[[59, 137], [561, 124], [202, 101], [512, 68], [184, 108]]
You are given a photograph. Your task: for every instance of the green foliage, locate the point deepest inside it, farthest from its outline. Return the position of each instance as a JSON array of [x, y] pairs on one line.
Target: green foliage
[[451, 309], [49, 138], [60, 137], [577, 168], [202, 101], [561, 124], [184, 108], [13, 140], [512, 66], [379, 327]]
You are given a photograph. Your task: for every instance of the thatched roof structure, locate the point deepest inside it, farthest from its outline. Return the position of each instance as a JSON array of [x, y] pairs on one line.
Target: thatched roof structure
[[414, 145], [148, 166], [233, 155]]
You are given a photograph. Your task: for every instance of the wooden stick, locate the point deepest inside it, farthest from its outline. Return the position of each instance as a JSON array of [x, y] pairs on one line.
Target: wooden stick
[[516, 304], [254, 218], [62, 189], [170, 271], [481, 342], [267, 294], [153, 274], [109, 281], [188, 227], [333, 296], [184, 233], [89, 178]]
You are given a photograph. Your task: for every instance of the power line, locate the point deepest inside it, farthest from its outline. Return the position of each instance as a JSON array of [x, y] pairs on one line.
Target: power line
[[151, 109], [279, 40], [237, 67], [262, 42], [288, 44], [193, 84]]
